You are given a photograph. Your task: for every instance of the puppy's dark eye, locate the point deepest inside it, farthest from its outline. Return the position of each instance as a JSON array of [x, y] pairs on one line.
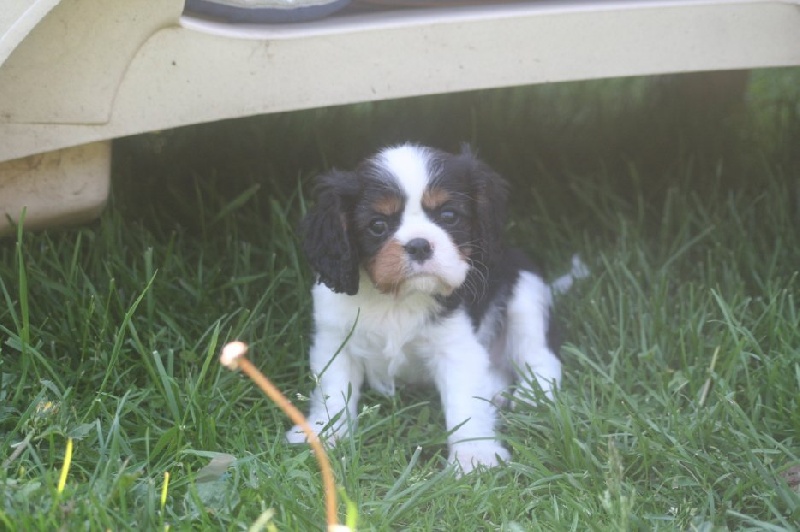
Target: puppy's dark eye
[[448, 217], [378, 227]]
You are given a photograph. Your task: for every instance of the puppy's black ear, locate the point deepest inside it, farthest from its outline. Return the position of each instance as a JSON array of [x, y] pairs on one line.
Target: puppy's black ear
[[490, 192], [327, 232]]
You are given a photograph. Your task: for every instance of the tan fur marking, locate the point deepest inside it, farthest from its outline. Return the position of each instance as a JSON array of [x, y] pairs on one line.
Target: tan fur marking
[[433, 198], [388, 205], [388, 269]]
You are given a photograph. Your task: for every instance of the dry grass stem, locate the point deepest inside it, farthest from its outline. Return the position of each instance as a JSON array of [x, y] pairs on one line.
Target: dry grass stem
[[234, 357]]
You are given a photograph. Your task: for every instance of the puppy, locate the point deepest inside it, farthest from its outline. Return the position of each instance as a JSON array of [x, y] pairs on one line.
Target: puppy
[[415, 285]]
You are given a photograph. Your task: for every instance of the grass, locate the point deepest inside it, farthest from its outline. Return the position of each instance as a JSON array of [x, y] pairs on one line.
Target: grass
[[680, 407]]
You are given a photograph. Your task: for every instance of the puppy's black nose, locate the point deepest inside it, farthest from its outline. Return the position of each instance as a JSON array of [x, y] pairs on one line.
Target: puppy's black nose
[[419, 249]]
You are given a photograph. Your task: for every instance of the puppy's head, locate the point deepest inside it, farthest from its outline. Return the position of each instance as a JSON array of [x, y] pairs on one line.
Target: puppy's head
[[413, 219]]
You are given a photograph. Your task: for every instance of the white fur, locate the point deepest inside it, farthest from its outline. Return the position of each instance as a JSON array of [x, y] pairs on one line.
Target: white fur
[[410, 165], [526, 340], [383, 338], [446, 270], [392, 340], [564, 283]]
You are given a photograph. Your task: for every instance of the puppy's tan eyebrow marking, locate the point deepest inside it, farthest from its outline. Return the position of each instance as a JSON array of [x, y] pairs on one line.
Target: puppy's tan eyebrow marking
[[435, 197], [388, 205]]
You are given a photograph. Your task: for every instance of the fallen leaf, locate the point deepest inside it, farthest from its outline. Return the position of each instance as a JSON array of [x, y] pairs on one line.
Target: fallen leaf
[[792, 477], [219, 464]]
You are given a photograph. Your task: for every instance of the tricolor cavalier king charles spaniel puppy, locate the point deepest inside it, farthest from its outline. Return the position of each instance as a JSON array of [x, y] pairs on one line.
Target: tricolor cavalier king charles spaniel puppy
[[415, 285]]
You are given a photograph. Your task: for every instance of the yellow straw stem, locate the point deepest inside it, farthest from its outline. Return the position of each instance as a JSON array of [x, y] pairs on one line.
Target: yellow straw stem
[[164, 490], [233, 356], [62, 479]]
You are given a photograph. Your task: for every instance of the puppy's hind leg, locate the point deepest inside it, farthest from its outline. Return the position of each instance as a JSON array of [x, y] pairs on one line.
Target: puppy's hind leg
[[527, 347]]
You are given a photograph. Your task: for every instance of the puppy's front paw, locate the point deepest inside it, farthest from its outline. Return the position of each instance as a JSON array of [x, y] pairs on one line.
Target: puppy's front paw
[[469, 456], [329, 435], [328, 432], [296, 435]]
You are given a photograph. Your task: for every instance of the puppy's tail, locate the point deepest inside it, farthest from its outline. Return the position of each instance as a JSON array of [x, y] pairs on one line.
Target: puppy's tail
[[564, 283]]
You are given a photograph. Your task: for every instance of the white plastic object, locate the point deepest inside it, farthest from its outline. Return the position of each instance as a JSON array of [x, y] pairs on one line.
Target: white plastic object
[[60, 187], [92, 70]]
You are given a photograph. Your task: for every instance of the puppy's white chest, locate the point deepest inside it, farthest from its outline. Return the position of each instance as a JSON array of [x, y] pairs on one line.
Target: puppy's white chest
[[391, 354], [388, 337]]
